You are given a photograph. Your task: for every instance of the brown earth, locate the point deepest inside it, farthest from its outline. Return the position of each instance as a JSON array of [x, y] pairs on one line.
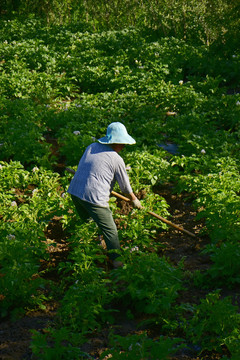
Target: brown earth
[[16, 335]]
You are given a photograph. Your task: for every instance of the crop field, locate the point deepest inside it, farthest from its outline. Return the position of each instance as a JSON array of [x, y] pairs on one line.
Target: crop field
[[177, 296]]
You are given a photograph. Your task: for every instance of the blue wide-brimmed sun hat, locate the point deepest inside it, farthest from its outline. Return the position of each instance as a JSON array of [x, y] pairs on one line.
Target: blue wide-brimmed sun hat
[[117, 134]]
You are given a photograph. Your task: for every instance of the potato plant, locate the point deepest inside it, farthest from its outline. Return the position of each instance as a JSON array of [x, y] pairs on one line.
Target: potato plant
[[60, 88]]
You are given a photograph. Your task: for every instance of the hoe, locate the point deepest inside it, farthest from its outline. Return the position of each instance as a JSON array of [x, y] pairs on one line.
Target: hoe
[[113, 193]]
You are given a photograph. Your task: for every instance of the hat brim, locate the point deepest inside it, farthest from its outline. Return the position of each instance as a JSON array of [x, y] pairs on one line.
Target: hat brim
[[127, 140]]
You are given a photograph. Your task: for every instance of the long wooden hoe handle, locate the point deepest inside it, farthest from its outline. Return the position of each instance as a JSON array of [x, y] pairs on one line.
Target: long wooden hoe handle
[[114, 193], [156, 216]]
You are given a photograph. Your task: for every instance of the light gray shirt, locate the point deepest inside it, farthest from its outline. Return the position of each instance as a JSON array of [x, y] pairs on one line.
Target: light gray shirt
[[98, 170]]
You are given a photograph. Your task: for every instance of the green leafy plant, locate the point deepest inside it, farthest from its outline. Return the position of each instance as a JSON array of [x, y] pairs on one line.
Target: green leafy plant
[[213, 320], [151, 283], [57, 344], [19, 279], [84, 306], [225, 264], [232, 342], [135, 347]]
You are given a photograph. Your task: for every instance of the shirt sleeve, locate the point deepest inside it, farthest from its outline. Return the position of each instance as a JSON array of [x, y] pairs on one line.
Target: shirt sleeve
[[122, 178]]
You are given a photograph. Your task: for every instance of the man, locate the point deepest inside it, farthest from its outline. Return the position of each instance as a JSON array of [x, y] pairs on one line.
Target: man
[[98, 170]]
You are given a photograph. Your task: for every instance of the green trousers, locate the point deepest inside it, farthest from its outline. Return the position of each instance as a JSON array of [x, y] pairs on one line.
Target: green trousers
[[103, 218]]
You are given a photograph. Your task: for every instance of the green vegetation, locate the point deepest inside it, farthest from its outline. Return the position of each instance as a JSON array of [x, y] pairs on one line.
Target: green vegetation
[[66, 71]]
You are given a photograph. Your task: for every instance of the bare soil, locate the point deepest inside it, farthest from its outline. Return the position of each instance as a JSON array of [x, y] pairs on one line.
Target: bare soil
[[16, 335]]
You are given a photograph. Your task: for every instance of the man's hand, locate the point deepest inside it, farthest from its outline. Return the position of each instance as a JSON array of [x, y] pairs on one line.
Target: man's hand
[[134, 200], [136, 204]]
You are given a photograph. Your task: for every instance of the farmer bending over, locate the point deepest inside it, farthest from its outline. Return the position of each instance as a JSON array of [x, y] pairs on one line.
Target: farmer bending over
[[98, 170]]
